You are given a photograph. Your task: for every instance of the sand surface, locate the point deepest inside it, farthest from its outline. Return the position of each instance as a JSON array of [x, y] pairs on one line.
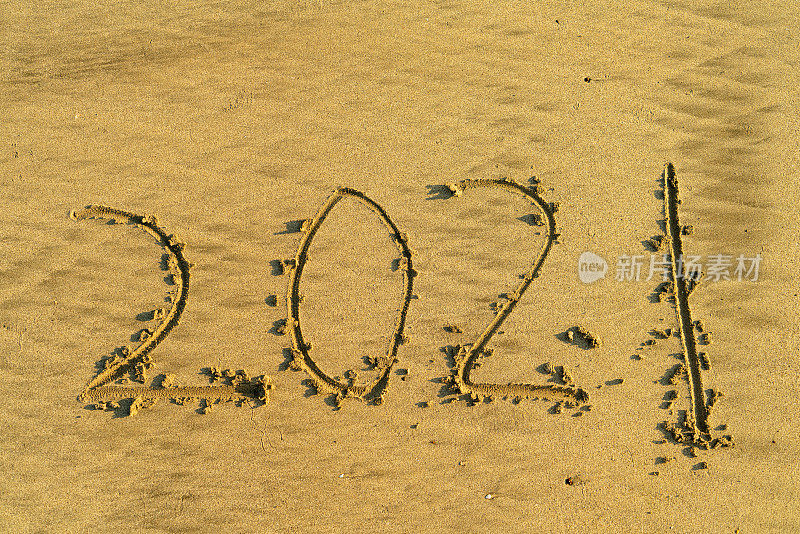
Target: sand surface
[[234, 122]]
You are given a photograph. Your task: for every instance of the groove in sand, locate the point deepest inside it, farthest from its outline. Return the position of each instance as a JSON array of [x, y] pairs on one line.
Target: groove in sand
[[324, 383], [221, 393], [465, 360], [699, 416], [96, 389]]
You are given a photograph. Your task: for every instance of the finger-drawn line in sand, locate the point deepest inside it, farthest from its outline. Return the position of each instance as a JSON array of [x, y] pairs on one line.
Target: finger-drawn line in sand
[[466, 358], [372, 392], [139, 358], [699, 414]]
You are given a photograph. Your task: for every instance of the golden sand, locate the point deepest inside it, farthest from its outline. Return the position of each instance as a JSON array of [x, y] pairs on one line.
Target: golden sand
[[669, 401]]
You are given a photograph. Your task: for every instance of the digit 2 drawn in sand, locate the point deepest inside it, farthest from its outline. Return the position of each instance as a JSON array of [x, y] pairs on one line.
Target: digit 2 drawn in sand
[[372, 392], [466, 358], [239, 386]]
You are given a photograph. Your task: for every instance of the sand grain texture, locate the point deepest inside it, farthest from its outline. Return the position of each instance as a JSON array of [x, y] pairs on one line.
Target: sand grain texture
[[233, 122]]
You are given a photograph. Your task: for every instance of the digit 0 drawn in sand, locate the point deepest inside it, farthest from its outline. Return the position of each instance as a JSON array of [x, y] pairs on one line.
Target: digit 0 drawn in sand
[[139, 358], [372, 392], [466, 357]]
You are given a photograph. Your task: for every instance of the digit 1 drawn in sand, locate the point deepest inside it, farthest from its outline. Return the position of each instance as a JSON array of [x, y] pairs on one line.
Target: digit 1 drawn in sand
[[372, 392], [97, 390], [466, 358], [699, 417]]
